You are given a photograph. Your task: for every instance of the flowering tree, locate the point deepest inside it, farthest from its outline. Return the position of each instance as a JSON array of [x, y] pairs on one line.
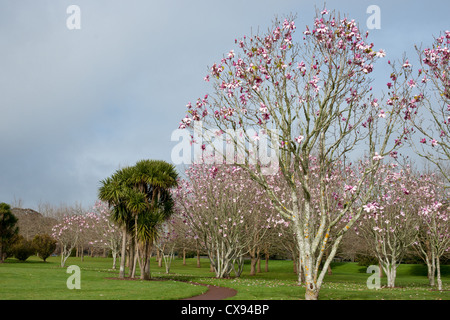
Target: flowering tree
[[310, 98], [167, 241], [433, 122], [390, 225], [68, 233], [225, 211], [188, 242], [105, 233], [433, 239]]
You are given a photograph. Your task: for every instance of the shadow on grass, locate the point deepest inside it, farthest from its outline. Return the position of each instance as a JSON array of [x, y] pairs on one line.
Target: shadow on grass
[[162, 277], [14, 261], [418, 270], [421, 270], [346, 267]]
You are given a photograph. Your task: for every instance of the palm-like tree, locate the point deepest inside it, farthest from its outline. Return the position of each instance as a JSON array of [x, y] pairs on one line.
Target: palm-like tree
[[151, 203], [113, 191], [141, 199]]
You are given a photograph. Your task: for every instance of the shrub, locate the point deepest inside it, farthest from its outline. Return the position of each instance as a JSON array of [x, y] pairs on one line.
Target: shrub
[[23, 249], [365, 260], [44, 245]]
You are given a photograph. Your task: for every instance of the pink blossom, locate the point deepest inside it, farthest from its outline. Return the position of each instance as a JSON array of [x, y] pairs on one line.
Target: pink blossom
[[299, 139], [377, 157], [352, 189], [381, 53], [411, 83]]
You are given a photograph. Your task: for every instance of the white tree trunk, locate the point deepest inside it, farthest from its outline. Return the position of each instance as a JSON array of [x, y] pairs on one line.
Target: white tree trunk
[[390, 269], [438, 268], [65, 254], [431, 268], [124, 251], [114, 255], [168, 258]]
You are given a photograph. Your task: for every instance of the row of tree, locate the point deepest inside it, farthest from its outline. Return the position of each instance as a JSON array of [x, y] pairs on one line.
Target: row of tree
[[229, 215], [312, 98], [219, 210]]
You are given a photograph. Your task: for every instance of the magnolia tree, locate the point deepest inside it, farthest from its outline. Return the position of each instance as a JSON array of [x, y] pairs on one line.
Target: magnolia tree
[[68, 233], [226, 211], [296, 96], [433, 120], [341, 186], [167, 240], [390, 225], [433, 228], [105, 233], [188, 242], [93, 228]]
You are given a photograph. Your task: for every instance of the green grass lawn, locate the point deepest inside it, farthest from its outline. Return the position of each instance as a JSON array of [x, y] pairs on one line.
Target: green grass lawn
[[35, 279]]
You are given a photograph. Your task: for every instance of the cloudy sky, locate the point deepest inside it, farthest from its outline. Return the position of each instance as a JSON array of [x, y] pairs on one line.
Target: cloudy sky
[[75, 105]]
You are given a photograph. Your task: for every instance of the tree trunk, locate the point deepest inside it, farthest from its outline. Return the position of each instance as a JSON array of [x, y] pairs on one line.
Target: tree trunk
[[266, 269], [438, 268], [329, 271], [391, 273], [144, 261], [131, 257], [134, 264], [381, 268], [198, 259], [301, 275], [253, 261], [159, 254], [240, 266], [184, 256], [311, 292], [135, 260], [123, 255], [433, 268], [114, 256]]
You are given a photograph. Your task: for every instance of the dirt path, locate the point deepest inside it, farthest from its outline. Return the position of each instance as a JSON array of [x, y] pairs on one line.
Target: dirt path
[[214, 293]]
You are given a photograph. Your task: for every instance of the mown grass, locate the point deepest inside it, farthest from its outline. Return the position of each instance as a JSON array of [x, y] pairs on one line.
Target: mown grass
[[35, 279], [347, 282]]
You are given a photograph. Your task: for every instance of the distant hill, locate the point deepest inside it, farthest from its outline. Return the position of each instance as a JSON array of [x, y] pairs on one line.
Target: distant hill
[[31, 222]]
